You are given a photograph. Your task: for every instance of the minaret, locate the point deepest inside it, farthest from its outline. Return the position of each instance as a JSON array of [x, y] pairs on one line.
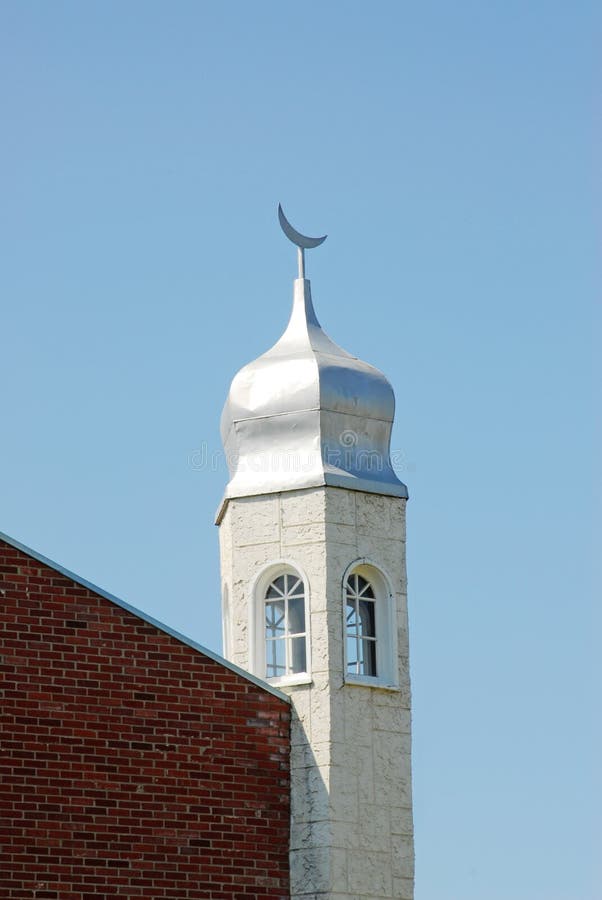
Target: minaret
[[312, 540]]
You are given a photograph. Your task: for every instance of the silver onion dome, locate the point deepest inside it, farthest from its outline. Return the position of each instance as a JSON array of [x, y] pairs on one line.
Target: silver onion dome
[[307, 413]]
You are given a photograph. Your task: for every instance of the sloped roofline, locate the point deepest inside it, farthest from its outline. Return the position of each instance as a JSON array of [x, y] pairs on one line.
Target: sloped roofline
[[144, 616]]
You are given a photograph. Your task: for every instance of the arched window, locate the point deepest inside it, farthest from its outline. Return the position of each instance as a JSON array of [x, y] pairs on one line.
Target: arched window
[[370, 626], [360, 622], [281, 629]]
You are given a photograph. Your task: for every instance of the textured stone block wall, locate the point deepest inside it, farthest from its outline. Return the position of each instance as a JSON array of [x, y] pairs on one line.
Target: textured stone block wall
[[351, 802], [131, 765]]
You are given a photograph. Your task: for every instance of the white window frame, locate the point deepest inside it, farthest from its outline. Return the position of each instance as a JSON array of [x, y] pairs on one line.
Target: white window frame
[[385, 612], [257, 642]]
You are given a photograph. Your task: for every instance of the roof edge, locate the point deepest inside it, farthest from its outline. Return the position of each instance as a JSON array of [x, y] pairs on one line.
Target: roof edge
[[259, 682], [325, 479]]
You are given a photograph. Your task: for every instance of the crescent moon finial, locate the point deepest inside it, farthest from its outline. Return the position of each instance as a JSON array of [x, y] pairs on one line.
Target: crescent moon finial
[[300, 240]]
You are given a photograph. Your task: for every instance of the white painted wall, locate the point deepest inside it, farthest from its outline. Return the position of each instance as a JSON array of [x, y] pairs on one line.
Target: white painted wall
[[351, 830]]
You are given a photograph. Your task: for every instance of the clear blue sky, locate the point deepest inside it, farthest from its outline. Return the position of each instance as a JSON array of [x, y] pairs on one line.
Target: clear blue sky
[[450, 151]]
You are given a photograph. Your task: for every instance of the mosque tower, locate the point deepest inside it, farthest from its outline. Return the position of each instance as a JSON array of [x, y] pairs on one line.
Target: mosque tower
[[312, 541]]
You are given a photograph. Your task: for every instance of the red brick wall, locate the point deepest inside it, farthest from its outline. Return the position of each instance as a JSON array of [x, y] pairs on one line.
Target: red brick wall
[[131, 765]]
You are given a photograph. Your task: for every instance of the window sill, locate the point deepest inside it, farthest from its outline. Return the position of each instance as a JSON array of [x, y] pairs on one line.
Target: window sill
[[369, 681], [290, 680]]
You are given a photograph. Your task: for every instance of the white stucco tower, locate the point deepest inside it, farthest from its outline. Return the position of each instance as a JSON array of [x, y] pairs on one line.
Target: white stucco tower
[[312, 539]]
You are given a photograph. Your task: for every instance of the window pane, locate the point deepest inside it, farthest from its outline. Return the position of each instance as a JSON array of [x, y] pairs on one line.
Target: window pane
[[351, 616], [298, 657], [296, 615], [367, 628], [368, 662], [276, 588], [352, 655], [295, 586], [274, 618], [364, 588], [275, 658]]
